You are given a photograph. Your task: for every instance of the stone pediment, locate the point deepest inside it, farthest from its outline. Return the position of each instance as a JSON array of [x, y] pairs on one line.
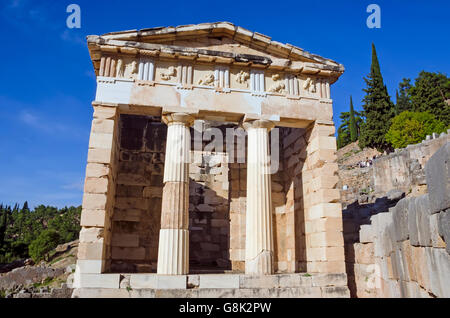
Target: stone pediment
[[220, 42]]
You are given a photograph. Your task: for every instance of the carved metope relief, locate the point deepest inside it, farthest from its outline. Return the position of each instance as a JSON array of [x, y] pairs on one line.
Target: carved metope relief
[[207, 80], [169, 73], [278, 85], [243, 77], [309, 85]]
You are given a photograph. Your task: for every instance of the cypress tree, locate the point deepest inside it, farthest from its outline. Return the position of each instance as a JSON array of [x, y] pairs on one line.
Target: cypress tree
[[378, 108], [353, 128]]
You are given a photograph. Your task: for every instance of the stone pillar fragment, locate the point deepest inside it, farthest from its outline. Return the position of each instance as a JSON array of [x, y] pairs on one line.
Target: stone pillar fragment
[[173, 251], [259, 250]]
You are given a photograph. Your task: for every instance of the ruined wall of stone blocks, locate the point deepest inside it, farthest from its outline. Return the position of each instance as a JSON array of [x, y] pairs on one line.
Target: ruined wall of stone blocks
[[404, 251], [403, 169]]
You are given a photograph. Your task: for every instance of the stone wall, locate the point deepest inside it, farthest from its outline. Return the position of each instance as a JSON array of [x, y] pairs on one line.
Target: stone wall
[[137, 210], [404, 251], [403, 169]]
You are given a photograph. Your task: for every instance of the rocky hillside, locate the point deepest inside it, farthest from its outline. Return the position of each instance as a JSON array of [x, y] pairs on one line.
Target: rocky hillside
[[355, 178], [52, 279]]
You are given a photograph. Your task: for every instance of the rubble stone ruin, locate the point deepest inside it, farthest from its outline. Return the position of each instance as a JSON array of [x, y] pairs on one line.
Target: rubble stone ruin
[[211, 160]]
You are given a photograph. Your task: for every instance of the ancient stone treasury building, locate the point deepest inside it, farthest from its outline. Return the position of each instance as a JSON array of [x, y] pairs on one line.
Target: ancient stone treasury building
[[211, 166]]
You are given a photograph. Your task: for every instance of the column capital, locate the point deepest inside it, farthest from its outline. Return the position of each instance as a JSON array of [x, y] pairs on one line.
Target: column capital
[[178, 118], [259, 123]]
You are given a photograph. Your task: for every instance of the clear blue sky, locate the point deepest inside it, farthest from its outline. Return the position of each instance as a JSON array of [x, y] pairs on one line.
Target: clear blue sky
[[47, 79]]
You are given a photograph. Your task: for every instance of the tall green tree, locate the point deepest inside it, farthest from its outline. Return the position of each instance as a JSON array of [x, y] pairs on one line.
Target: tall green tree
[[378, 108], [353, 128], [3, 224], [403, 98], [431, 93]]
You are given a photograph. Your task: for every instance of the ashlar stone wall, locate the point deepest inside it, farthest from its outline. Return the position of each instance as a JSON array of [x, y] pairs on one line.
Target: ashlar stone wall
[[404, 251]]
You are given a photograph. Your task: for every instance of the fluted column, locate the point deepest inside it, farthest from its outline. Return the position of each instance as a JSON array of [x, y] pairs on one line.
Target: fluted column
[[173, 250], [259, 234]]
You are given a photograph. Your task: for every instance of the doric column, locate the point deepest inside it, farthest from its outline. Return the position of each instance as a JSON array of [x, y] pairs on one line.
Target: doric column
[[173, 251], [259, 234]]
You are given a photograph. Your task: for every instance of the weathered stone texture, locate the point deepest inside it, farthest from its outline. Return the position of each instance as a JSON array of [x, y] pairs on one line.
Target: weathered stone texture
[[404, 252]]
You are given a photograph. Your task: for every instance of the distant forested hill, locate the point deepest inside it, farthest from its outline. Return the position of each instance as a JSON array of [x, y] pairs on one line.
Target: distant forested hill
[[42, 228]]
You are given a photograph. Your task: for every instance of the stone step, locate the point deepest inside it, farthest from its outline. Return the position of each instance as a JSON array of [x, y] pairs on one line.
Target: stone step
[[216, 285], [300, 292]]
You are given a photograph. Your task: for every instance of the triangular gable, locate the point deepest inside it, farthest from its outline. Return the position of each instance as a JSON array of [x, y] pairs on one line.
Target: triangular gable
[[221, 36]]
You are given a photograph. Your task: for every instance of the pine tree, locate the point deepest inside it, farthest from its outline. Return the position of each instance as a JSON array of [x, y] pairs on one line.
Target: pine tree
[[431, 93], [3, 224], [25, 207], [353, 128], [378, 108], [396, 111], [403, 101]]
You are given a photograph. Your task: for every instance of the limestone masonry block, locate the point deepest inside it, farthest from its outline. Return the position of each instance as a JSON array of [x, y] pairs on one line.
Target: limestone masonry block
[[100, 155], [437, 171], [400, 218], [335, 253], [101, 140], [320, 196], [89, 266], [91, 251], [219, 281], [321, 142], [319, 158], [366, 234], [96, 170], [96, 185], [250, 281], [323, 210], [323, 182], [326, 266], [323, 225], [436, 238], [131, 253], [97, 280], [93, 218], [326, 280], [444, 227], [104, 126], [325, 239], [364, 253], [105, 112], [125, 240], [91, 234]]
